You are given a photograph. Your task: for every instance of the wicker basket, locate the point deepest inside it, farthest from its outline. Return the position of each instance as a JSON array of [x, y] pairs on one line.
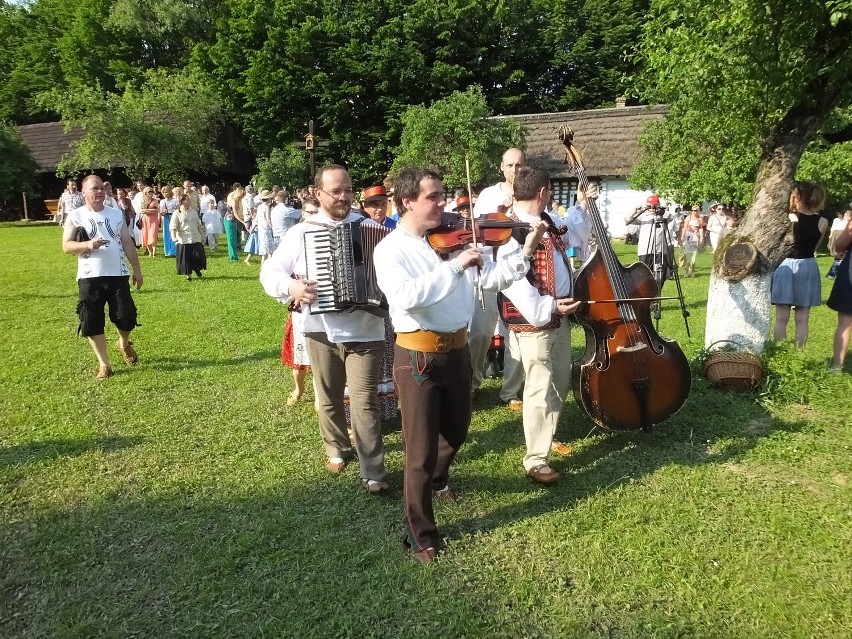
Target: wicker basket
[[740, 371]]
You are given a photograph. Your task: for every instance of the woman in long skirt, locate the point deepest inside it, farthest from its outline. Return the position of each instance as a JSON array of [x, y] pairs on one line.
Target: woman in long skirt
[[233, 219], [168, 205], [150, 220], [188, 234]]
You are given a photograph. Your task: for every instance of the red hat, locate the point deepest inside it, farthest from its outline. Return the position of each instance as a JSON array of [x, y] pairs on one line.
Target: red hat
[[462, 203], [653, 200], [374, 191]]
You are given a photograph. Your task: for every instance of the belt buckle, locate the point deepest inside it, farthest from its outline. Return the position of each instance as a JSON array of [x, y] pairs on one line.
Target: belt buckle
[[441, 345]]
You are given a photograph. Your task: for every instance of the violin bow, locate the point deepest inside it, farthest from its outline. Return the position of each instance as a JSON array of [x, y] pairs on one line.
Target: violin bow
[[479, 292]]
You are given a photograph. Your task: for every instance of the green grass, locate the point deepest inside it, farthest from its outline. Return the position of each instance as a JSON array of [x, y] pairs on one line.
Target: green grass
[[182, 498]]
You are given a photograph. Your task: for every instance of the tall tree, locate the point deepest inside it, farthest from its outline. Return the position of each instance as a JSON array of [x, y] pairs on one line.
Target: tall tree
[[355, 66], [749, 84], [17, 167], [453, 130], [161, 129]]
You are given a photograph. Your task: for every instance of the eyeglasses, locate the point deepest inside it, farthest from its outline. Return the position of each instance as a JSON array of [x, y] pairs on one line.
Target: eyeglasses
[[310, 211], [336, 193]]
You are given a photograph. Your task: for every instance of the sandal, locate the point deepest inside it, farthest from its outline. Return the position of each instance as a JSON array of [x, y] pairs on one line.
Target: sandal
[[129, 355], [293, 398]]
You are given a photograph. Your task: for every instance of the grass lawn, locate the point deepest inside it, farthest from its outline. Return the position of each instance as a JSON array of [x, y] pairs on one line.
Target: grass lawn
[[182, 498]]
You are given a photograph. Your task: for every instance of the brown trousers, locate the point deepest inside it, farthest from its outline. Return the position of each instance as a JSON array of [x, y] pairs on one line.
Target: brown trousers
[[435, 402]]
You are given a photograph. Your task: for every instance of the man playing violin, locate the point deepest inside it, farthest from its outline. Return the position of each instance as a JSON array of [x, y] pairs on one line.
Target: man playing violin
[[431, 303], [534, 309]]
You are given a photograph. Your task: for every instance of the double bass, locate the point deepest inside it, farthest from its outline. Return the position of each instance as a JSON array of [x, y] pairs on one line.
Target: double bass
[[629, 378]]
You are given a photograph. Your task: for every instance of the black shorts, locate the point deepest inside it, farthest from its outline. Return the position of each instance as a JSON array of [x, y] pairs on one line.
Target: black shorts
[[97, 291]]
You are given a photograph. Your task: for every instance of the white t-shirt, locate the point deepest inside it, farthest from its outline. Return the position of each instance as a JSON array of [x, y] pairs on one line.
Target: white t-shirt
[[108, 260], [491, 198]]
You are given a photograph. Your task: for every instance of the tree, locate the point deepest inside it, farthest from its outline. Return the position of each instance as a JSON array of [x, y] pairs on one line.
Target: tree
[[161, 129], [749, 85], [828, 159], [354, 67], [17, 167], [443, 135], [287, 166]]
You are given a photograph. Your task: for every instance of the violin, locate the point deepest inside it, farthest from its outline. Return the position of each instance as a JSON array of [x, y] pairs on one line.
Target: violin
[[629, 378], [492, 229]]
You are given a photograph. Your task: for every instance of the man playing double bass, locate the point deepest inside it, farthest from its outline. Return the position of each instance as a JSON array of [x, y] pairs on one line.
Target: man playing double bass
[[534, 310]]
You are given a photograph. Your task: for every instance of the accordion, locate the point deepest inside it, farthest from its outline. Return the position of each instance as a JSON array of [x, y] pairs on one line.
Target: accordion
[[340, 260]]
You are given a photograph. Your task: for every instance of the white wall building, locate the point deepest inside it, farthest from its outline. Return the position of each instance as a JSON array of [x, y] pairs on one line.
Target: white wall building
[[608, 142]]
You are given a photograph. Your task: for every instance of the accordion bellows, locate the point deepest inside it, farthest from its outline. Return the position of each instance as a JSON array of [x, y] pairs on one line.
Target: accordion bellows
[[340, 260]]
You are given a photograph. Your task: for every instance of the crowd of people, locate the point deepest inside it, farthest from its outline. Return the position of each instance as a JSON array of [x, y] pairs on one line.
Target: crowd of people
[[427, 353], [653, 226]]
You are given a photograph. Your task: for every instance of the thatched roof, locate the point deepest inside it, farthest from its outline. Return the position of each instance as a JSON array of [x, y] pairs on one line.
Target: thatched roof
[[48, 143], [608, 139]]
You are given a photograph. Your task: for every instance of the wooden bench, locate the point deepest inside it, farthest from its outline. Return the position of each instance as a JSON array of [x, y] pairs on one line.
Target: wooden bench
[[52, 206]]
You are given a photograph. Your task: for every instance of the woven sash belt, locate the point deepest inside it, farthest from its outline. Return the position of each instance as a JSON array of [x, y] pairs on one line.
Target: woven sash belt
[[431, 342]]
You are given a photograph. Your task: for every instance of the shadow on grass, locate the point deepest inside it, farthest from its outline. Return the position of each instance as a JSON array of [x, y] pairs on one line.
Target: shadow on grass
[[176, 363], [700, 434], [311, 555], [33, 452]]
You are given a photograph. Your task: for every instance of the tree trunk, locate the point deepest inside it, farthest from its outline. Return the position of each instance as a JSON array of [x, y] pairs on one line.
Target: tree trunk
[[738, 305]]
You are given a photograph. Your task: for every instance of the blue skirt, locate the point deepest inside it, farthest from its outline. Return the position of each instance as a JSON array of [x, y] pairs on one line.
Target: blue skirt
[[252, 247], [797, 283], [169, 249]]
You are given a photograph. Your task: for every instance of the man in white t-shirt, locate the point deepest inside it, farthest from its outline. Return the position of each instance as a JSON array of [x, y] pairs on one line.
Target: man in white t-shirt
[[493, 198], [99, 237]]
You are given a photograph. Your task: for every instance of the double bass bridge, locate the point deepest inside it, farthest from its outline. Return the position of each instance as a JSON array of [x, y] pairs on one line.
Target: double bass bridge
[[631, 349]]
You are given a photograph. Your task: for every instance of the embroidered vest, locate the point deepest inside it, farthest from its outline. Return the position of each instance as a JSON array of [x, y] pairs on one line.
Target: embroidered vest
[[542, 275]]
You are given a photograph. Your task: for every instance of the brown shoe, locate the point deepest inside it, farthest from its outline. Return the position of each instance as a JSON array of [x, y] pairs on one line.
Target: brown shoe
[[128, 353], [104, 372], [560, 449], [445, 494], [543, 474], [426, 556], [335, 467], [515, 405], [374, 486]]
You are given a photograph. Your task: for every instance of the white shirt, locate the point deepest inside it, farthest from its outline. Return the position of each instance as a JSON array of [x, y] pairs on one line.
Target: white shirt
[[136, 203], [650, 235], [491, 198], [579, 225], [715, 223], [289, 259], [206, 198], [536, 308], [108, 260], [838, 224], [425, 292]]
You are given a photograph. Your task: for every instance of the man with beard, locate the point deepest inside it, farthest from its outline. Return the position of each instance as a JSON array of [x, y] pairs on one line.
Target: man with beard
[[343, 347]]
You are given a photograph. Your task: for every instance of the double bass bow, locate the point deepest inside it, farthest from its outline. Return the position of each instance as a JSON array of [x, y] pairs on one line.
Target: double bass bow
[[629, 378]]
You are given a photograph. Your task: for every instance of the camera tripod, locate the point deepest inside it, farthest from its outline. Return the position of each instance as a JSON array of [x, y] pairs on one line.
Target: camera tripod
[[664, 266]]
